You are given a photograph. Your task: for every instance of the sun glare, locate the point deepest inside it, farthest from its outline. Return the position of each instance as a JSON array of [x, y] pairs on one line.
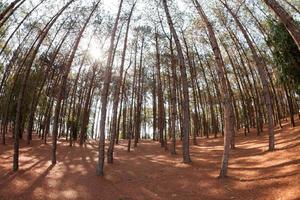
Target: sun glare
[[95, 52]]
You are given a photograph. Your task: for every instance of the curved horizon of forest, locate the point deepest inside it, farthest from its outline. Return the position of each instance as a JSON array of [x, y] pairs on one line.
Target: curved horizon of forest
[[169, 71]]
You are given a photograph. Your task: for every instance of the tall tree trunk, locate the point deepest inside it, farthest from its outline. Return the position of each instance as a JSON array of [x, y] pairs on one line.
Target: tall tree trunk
[[185, 88], [63, 85], [20, 23], [173, 100], [154, 92], [28, 61], [195, 114], [85, 117], [209, 95], [139, 95], [116, 97], [133, 91], [225, 94], [104, 95], [160, 95], [263, 76], [244, 108], [286, 19], [38, 94]]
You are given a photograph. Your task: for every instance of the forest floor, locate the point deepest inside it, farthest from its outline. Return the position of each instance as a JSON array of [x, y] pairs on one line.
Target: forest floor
[[150, 172]]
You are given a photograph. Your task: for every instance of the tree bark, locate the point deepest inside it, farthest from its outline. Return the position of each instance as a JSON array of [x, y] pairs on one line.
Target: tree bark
[[225, 94], [85, 118], [16, 29], [104, 95], [28, 61], [7, 13], [8, 8], [263, 77], [185, 88], [173, 100], [63, 85], [161, 109], [289, 23], [110, 150]]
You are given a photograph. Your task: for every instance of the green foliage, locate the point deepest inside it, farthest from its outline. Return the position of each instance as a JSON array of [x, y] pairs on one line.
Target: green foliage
[[12, 88], [286, 54]]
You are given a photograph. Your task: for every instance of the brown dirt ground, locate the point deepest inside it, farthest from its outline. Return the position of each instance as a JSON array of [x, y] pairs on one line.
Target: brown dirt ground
[[150, 172]]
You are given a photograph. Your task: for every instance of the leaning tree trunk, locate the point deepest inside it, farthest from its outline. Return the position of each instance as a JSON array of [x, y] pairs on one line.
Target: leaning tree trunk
[[252, 92], [292, 6], [16, 29], [185, 88], [264, 34], [241, 94], [286, 19], [5, 75], [225, 94], [263, 76], [62, 87], [28, 62], [37, 94], [104, 95], [110, 150], [9, 11]]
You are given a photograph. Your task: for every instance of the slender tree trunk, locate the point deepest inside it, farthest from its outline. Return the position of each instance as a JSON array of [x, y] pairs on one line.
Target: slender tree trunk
[[195, 114], [173, 100], [110, 150], [185, 89], [28, 61], [131, 130], [38, 94], [104, 95], [290, 104], [292, 6], [208, 91], [161, 109], [9, 11], [226, 98], [244, 109], [286, 19], [85, 118], [263, 76], [16, 29], [154, 92], [63, 85]]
